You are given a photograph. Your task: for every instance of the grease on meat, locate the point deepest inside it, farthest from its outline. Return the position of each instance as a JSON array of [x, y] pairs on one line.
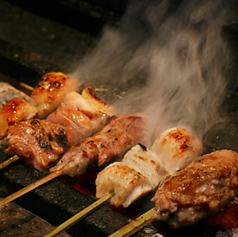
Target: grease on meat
[[178, 147], [118, 136], [80, 117], [17, 109], [204, 187], [50, 92], [145, 165], [33, 140]]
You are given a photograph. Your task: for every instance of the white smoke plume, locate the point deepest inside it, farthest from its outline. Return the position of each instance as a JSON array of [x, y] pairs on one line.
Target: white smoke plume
[[172, 58]]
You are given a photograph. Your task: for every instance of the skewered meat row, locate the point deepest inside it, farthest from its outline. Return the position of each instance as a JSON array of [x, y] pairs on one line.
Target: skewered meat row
[[114, 140], [204, 187], [46, 96], [42, 141], [141, 170], [118, 136]]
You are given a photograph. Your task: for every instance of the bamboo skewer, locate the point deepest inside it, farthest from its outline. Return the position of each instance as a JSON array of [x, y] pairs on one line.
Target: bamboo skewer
[[135, 225], [15, 158], [9, 161], [25, 86], [30, 187], [79, 216]]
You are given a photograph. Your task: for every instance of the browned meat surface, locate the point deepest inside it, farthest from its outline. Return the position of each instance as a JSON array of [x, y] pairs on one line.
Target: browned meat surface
[[42, 141], [202, 188], [145, 169], [81, 117], [34, 141], [74, 133], [118, 136], [15, 110], [126, 183], [51, 90]]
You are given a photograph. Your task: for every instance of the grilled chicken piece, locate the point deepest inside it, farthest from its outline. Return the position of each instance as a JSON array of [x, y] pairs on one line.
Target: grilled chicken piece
[[204, 187], [80, 117], [177, 147], [98, 104], [118, 136], [146, 166], [42, 141], [137, 174], [125, 182], [50, 92], [15, 110], [34, 141]]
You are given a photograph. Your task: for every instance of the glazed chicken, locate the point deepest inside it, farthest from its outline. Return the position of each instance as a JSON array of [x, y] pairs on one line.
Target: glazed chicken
[[50, 92], [141, 170], [204, 187], [15, 110], [34, 141], [46, 96], [118, 136], [177, 148], [81, 116], [41, 142]]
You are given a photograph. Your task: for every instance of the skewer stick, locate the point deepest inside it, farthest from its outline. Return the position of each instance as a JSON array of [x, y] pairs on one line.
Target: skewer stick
[[9, 161], [135, 225], [30, 187], [79, 216], [25, 86]]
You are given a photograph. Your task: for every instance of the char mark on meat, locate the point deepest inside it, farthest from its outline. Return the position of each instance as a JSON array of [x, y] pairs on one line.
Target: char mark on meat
[[204, 187], [34, 141], [118, 136]]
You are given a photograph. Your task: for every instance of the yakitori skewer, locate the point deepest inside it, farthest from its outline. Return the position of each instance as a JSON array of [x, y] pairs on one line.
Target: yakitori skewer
[[184, 148], [9, 161], [119, 135], [45, 97], [40, 142], [203, 188]]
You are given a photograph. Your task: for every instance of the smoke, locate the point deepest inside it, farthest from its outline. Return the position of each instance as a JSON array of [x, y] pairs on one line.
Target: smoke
[[171, 57]]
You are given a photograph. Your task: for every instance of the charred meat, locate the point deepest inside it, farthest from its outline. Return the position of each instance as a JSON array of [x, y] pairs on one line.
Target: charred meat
[[204, 187], [141, 170], [118, 136]]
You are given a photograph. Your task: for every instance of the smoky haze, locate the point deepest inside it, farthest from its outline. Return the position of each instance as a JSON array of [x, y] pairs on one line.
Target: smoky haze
[[172, 58]]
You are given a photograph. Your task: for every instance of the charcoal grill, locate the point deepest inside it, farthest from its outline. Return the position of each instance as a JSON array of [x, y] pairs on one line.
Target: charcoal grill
[[41, 36]]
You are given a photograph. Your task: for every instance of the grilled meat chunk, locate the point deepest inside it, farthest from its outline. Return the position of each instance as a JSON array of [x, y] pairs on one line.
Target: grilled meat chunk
[[202, 188], [145, 165], [50, 92], [125, 180], [80, 117], [15, 110], [118, 136], [42, 141], [126, 183], [177, 147], [34, 141]]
